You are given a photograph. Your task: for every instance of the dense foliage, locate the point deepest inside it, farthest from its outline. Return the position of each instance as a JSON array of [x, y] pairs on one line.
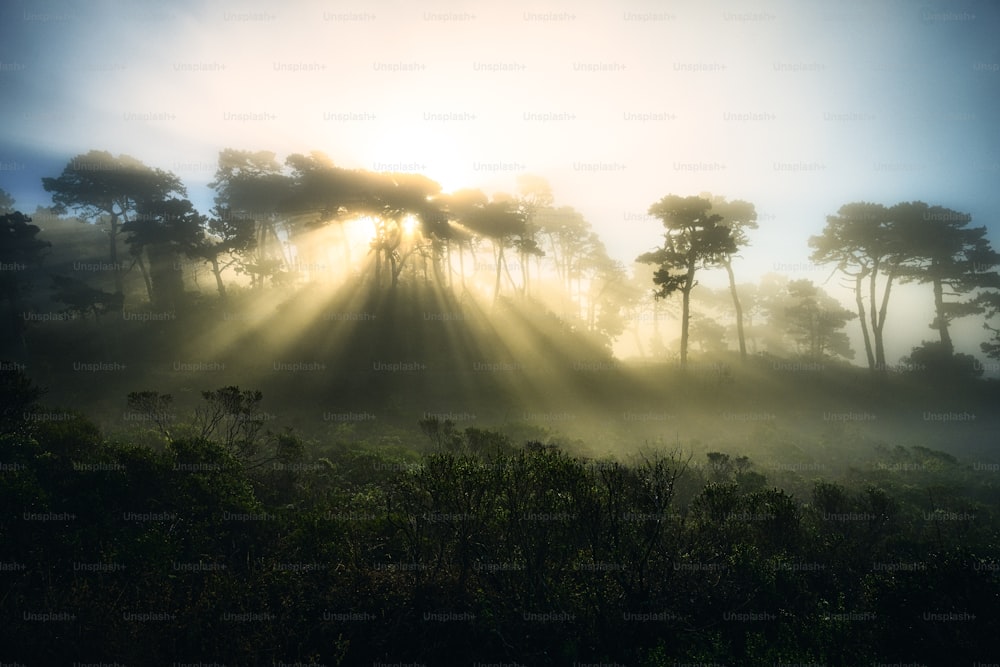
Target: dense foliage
[[220, 540]]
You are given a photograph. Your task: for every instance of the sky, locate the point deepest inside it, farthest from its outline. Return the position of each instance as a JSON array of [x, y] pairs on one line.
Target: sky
[[798, 106]]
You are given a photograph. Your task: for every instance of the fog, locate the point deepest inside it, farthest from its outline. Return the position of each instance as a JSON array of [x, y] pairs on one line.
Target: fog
[[743, 249]]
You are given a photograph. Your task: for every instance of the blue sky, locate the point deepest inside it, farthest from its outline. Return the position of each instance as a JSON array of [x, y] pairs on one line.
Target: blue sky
[[799, 106]]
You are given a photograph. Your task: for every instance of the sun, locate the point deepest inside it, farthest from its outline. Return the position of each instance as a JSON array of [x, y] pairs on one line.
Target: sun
[[410, 225], [428, 149]]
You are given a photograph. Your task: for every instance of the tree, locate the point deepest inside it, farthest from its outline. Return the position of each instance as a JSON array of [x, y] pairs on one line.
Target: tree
[[738, 216], [937, 362], [252, 185], [865, 245], [500, 221], [18, 400], [19, 249], [534, 195], [323, 194], [608, 293], [459, 208], [763, 308], [708, 335], [949, 255], [990, 303], [694, 239], [228, 238], [6, 202], [568, 235], [81, 299], [162, 231], [392, 198], [99, 186], [816, 321]]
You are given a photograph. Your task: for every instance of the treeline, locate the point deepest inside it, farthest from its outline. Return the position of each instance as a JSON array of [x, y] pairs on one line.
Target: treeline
[[873, 246], [306, 220], [220, 541]]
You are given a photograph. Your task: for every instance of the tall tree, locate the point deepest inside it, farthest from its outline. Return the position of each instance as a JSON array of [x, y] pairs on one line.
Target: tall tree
[[252, 184], [534, 194], [101, 187], [739, 216], [865, 245], [608, 294], [763, 307], [990, 303], [461, 208], [226, 240], [500, 221], [957, 260], [693, 239], [391, 199], [163, 231], [816, 320], [325, 195], [567, 234]]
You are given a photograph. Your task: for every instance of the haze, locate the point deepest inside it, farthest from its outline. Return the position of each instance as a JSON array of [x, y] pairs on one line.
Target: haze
[[796, 107]]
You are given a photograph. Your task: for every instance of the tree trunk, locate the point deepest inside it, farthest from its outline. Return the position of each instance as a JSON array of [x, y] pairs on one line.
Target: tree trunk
[[393, 271], [686, 314], [499, 259], [874, 317], [510, 278], [461, 264], [378, 263], [879, 338], [524, 274], [145, 277], [739, 309], [113, 243], [217, 272], [448, 277], [166, 278], [861, 318], [941, 321]]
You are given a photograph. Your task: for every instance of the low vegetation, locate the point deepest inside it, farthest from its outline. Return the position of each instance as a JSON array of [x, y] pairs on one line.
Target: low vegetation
[[218, 539]]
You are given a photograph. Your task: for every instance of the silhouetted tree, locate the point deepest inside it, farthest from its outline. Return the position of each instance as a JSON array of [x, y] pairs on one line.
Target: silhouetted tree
[[607, 293], [534, 194], [865, 245], [460, 207], [6, 202], [989, 301], [937, 362], [708, 334], [80, 298], [163, 231], [391, 198], [950, 255], [568, 236], [19, 249], [323, 194], [694, 238], [18, 399], [99, 186], [739, 216], [226, 241], [252, 185], [816, 321], [500, 221]]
